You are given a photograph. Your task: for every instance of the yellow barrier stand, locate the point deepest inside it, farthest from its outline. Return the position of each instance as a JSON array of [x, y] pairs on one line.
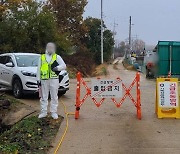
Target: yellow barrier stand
[[167, 98]]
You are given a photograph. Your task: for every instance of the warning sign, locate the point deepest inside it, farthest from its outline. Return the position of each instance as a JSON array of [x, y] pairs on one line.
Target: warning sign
[[168, 94], [167, 98], [106, 88]]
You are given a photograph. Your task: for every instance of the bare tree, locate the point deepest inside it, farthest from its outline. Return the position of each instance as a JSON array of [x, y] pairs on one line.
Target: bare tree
[[138, 46]]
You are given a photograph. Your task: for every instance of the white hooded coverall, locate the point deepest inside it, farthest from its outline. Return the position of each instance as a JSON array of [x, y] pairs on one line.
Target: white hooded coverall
[[50, 86]]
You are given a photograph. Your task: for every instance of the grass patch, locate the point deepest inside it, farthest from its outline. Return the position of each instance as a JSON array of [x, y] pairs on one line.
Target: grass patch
[[128, 66], [11, 99], [80, 61], [72, 72], [101, 70], [31, 135], [115, 66]]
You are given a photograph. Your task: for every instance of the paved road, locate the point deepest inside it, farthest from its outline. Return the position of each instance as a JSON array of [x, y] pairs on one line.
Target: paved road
[[111, 130]]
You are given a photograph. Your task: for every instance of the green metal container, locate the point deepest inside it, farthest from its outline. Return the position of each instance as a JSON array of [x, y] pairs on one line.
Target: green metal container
[[176, 51], [169, 58], [163, 51], [176, 68], [163, 68]]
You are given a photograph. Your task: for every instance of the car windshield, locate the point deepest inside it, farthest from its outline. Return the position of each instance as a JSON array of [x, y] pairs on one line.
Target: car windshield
[[27, 60]]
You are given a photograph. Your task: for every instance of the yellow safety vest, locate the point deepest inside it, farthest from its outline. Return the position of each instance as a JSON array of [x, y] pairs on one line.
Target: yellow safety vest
[[46, 71]]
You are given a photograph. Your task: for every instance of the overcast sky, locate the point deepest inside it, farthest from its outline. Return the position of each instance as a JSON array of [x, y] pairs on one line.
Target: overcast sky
[[153, 19]]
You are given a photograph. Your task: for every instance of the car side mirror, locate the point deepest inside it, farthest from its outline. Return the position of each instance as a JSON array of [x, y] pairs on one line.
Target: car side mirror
[[10, 64]]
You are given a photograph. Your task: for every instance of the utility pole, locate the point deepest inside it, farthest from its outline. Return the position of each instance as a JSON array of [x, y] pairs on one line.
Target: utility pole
[[114, 33], [130, 24], [114, 28], [130, 37], [102, 46]]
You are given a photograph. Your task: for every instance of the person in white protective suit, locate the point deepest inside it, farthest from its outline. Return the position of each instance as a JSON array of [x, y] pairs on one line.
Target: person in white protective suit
[[49, 67]]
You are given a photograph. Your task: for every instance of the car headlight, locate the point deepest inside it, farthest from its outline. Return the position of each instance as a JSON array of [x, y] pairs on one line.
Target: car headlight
[[25, 73]]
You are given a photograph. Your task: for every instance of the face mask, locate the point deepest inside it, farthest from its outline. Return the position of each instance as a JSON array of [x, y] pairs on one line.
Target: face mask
[[50, 50]]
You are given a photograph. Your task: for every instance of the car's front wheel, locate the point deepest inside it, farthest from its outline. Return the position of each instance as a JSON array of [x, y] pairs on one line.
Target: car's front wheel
[[17, 88]]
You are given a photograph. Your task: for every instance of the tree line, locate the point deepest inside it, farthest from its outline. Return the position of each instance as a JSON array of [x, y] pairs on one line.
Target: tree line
[[137, 46], [27, 26]]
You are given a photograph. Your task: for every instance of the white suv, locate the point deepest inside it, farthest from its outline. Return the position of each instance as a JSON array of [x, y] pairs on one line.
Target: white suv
[[18, 72]]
